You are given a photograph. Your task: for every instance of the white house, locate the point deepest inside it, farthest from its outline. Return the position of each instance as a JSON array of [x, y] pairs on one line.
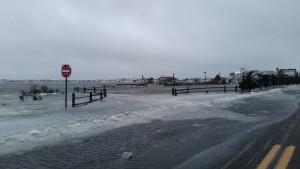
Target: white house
[[167, 80], [287, 72]]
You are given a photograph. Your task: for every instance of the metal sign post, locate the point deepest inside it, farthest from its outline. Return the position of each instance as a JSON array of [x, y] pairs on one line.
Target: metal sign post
[[66, 72], [66, 93]]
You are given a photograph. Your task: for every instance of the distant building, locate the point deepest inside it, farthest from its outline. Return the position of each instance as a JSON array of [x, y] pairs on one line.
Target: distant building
[[268, 72], [235, 77], [150, 80], [166, 80], [256, 72], [287, 72]]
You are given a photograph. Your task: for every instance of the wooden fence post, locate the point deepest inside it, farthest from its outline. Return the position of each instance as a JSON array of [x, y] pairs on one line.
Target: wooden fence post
[[94, 89], [91, 97], [83, 89], [188, 91], [101, 95], [73, 99], [173, 92], [235, 88], [105, 92]]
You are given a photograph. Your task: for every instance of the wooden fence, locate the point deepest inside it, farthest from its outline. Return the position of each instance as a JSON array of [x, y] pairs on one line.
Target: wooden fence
[[206, 89], [88, 99], [89, 89]]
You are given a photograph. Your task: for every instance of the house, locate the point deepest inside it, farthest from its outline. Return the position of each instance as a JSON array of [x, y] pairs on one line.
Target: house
[[235, 77], [287, 72], [150, 81], [166, 80], [268, 72]]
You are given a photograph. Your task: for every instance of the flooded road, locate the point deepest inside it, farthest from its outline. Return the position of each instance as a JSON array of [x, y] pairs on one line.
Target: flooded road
[[188, 132]]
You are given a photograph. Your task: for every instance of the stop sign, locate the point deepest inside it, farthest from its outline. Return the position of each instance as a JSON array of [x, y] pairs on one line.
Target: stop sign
[[65, 70]]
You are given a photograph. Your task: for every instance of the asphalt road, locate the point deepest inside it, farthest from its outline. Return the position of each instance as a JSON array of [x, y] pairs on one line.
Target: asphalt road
[[174, 144], [277, 148]]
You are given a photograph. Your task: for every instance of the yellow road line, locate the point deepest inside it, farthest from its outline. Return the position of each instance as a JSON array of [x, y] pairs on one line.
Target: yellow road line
[[285, 158], [269, 157]]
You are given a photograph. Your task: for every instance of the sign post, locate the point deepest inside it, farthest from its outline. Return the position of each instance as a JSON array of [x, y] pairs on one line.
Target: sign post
[[66, 72]]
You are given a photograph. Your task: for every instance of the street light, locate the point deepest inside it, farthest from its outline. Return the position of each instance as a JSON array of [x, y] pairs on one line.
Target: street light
[[205, 77]]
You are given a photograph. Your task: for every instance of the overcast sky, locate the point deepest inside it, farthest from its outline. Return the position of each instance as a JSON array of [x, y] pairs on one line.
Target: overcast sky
[[106, 39]]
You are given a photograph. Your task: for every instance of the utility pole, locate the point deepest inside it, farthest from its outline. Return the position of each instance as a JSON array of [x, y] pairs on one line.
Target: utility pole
[[204, 77]]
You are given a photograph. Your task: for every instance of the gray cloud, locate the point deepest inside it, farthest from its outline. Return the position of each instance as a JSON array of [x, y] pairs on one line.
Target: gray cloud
[[116, 38]]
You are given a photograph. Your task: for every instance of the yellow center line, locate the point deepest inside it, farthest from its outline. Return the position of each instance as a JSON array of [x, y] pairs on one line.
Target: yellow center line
[[269, 157], [285, 158]]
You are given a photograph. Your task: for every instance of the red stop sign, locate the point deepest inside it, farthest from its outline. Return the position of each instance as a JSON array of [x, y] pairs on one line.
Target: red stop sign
[[66, 71]]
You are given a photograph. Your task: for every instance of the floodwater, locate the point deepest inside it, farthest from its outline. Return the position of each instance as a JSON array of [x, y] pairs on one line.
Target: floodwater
[[162, 131]]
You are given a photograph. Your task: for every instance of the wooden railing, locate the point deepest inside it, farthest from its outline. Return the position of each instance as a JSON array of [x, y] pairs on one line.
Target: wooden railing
[[206, 89], [88, 99], [88, 89]]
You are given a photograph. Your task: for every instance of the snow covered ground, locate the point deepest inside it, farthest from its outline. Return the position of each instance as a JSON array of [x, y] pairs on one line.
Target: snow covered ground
[[29, 124]]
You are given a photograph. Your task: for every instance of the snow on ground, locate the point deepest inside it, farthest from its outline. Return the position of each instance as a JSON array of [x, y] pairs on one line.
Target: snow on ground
[[25, 125]]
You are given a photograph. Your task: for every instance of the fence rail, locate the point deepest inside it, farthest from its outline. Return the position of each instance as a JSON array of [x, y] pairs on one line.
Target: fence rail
[[89, 89], [92, 97], [206, 89]]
